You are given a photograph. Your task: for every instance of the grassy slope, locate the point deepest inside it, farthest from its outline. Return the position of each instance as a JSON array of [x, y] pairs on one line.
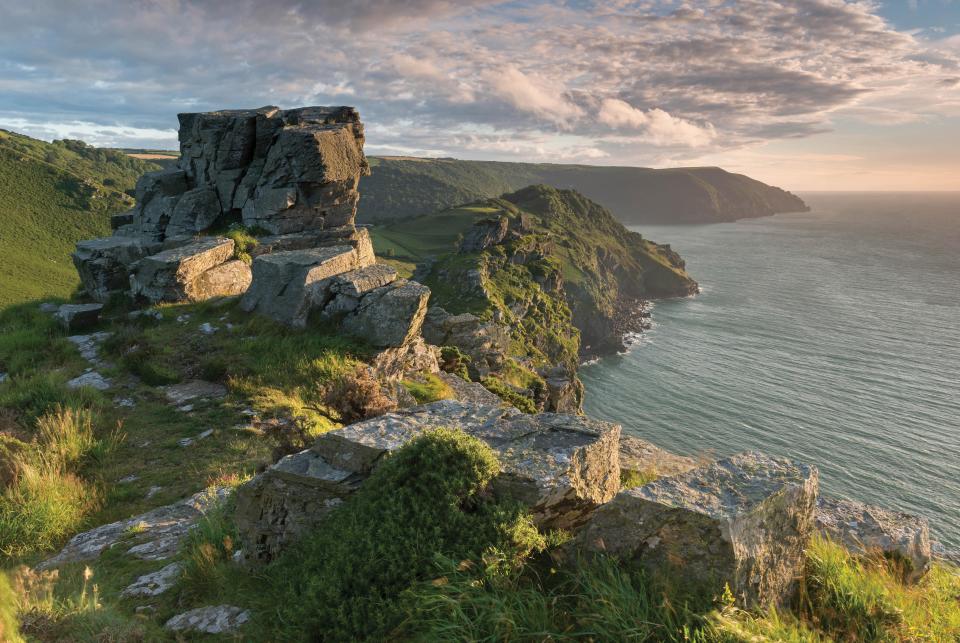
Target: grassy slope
[[402, 188], [51, 196]]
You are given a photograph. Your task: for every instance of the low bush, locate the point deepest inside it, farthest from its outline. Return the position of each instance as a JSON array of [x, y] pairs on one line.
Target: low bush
[[508, 394], [453, 360], [430, 499], [357, 396]]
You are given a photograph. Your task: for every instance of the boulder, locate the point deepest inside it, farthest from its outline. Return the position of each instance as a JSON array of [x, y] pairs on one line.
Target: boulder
[[226, 280], [744, 521], [104, 264], [174, 275], [561, 466], [865, 529], [286, 286], [155, 583], [196, 211], [78, 316], [640, 456], [356, 283], [391, 315], [288, 500], [470, 392], [157, 196]]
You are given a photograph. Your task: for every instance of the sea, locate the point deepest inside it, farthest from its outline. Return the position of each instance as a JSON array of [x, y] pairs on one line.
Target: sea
[[831, 337]]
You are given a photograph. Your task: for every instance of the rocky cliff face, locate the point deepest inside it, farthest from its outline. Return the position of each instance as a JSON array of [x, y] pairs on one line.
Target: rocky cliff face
[[548, 279]]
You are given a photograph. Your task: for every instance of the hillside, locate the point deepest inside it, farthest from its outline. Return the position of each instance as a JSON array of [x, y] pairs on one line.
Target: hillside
[[52, 195], [547, 277], [406, 187]]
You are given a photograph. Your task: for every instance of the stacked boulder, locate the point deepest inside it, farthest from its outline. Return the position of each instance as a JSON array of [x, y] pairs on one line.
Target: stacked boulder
[[289, 176]]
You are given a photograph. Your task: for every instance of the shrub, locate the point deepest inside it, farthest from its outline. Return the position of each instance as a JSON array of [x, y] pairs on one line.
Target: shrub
[[357, 396], [630, 479], [453, 360], [427, 500]]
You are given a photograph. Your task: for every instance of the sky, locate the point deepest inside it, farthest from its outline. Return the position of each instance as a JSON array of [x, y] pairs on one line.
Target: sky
[[804, 94]]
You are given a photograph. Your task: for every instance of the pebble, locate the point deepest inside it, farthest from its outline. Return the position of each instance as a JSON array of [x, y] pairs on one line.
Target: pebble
[[128, 479], [153, 491], [92, 379], [207, 329]]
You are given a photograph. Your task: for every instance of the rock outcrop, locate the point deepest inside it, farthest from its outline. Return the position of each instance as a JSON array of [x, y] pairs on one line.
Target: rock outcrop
[[744, 521], [286, 172], [560, 466], [864, 529]]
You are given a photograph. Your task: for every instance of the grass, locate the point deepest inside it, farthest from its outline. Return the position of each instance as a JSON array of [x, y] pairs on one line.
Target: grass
[[426, 388], [430, 235], [630, 479]]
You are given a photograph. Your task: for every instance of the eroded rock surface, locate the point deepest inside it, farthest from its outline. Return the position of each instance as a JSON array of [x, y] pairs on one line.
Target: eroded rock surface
[[561, 466], [219, 619], [154, 535], [743, 520], [175, 274], [391, 315], [645, 457], [154, 583], [862, 529], [75, 317]]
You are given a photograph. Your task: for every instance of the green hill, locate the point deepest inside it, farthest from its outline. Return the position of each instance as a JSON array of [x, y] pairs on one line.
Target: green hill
[[51, 196], [406, 187]]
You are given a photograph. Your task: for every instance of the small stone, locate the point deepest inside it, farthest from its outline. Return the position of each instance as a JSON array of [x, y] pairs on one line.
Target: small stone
[[209, 620], [185, 408], [205, 434], [180, 394], [78, 316], [145, 609], [152, 491], [128, 479], [49, 307], [92, 379], [155, 583], [3, 377], [207, 329], [145, 444], [124, 402], [185, 442], [183, 319]]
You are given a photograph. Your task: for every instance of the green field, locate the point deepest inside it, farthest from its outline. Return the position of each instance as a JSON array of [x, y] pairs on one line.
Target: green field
[[430, 235], [51, 196]]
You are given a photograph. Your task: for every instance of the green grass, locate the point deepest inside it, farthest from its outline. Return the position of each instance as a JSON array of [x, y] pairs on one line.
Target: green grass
[[431, 235], [426, 388], [51, 196]]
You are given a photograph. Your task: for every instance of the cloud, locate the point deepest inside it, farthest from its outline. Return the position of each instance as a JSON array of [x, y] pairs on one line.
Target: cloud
[[661, 128], [622, 81]]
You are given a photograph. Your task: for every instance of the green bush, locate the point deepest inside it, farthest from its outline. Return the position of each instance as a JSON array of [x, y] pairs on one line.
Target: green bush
[[506, 393], [427, 387], [429, 499]]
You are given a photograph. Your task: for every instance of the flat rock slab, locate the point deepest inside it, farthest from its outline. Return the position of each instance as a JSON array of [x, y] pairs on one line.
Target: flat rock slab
[[174, 275], [219, 619], [155, 583], [75, 317], [646, 457], [863, 529], [103, 264], [743, 520], [92, 379], [88, 345], [180, 394], [157, 534]]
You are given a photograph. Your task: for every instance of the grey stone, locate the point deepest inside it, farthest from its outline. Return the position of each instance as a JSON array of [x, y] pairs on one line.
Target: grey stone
[[286, 286], [3, 377], [174, 275], [864, 529], [560, 466], [155, 583], [88, 345], [391, 315], [92, 379], [157, 533], [220, 619], [744, 521], [226, 280], [485, 233], [180, 394], [49, 307], [640, 456], [194, 212], [157, 197], [121, 220], [78, 316], [487, 343], [104, 264], [358, 282], [416, 356]]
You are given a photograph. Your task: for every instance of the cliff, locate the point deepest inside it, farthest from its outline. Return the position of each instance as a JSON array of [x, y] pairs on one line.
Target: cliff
[[407, 187], [542, 279]]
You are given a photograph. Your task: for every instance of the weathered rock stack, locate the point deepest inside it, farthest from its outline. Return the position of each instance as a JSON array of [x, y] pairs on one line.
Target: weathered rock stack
[[287, 176]]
